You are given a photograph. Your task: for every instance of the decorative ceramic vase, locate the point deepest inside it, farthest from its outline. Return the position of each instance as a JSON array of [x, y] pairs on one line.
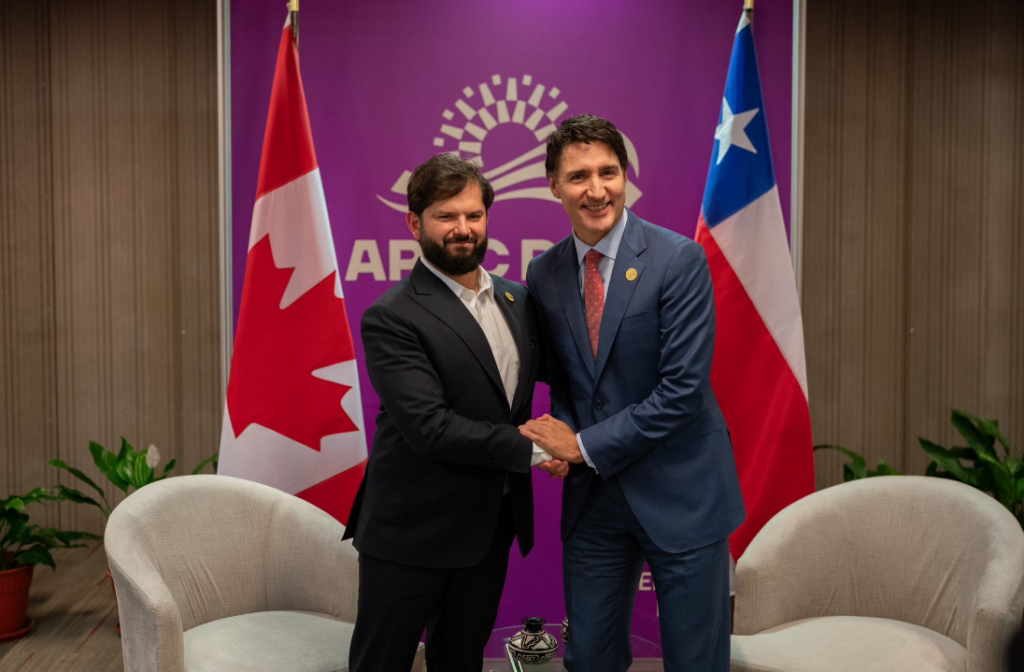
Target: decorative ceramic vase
[[533, 644], [565, 630]]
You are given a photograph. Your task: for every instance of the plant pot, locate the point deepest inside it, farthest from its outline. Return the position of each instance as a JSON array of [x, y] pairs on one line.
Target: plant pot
[[14, 585]]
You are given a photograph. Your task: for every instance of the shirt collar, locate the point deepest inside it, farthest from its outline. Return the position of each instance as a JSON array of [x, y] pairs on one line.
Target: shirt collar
[[483, 279], [608, 246]]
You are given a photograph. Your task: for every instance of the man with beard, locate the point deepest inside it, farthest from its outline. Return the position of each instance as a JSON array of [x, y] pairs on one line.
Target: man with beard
[[452, 352]]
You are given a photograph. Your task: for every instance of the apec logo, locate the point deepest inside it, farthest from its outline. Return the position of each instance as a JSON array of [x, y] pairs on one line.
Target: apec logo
[[502, 127]]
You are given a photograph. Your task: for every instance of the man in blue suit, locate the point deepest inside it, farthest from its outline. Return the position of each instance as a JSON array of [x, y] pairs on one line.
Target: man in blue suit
[[626, 310]]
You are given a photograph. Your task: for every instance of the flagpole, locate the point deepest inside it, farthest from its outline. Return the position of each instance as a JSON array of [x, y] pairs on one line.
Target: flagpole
[[748, 9], [293, 7]]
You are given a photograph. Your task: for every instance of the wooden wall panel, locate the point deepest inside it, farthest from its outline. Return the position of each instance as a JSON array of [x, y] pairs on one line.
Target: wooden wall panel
[[965, 218], [132, 263], [853, 285], [28, 399], [913, 278]]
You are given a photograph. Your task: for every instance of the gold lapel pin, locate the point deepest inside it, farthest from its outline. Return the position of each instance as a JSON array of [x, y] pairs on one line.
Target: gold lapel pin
[[508, 295], [631, 274]]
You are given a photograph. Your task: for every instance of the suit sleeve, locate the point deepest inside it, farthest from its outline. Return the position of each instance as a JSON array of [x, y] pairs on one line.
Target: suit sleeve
[[687, 308], [551, 371], [413, 396]]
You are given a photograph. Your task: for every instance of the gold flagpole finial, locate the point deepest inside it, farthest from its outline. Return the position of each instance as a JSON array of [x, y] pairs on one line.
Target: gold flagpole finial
[[293, 7], [748, 10]]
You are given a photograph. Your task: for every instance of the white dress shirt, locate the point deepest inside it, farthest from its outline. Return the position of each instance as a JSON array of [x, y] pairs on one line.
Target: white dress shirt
[[609, 247], [482, 306]]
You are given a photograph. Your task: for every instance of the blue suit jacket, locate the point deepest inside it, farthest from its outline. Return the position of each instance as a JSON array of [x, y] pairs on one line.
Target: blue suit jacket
[[644, 409]]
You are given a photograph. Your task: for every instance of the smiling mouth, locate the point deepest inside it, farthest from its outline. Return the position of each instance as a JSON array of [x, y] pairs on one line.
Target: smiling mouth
[[594, 209]]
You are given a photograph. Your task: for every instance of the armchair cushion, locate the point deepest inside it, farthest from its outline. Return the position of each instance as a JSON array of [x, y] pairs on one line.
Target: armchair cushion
[[847, 644], [269, 641]]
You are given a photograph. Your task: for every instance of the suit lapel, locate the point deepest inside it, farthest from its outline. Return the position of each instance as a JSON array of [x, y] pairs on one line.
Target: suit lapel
[[435, 296], [568, 281], [518, 329], [620, 289]]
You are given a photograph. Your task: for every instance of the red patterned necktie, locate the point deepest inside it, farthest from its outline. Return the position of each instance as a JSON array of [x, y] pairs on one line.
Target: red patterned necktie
[[593, 297]]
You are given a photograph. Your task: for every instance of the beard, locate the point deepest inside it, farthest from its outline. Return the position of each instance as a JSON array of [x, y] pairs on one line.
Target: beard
[[453, 262]]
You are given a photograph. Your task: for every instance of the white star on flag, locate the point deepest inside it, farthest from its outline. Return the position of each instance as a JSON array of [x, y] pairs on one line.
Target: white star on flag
[[731, 131]]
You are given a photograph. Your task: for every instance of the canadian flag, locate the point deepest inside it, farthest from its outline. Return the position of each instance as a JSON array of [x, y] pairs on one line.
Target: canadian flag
[[293, 417]]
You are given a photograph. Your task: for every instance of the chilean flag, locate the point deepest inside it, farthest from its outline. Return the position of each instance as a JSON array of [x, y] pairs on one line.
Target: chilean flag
[[758, 373], [293, 416]]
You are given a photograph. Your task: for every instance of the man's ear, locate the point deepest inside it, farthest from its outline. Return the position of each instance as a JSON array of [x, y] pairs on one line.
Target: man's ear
[[413, 222], [554, 187]]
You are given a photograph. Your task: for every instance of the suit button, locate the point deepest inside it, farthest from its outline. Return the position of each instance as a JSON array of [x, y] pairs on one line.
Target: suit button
[[598, 404]]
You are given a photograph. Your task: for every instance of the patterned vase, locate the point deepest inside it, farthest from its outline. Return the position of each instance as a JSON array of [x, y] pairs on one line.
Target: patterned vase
[[565, 630], [533, 644]]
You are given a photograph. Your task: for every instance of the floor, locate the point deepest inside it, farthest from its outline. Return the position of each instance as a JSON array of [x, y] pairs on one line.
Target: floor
[[75, 616]]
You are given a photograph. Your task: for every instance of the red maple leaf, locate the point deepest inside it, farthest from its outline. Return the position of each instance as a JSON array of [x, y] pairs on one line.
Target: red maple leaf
[[277, 350]]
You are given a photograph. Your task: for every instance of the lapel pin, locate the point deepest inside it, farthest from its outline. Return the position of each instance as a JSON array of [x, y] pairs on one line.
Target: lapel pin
[[631, 274], [508, 295]]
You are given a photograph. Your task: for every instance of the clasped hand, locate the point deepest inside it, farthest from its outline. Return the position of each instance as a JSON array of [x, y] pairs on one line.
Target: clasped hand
[[555, 437]]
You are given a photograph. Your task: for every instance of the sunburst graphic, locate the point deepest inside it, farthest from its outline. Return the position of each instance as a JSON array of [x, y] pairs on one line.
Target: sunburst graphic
[[468, 140]]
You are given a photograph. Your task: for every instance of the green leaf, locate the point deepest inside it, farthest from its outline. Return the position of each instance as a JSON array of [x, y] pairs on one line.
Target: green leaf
[[945, 460], [126, 467], [107, 463], [142, 473], [857, 464], [36, 556], [884, 470], [1015, 466], [982, 445], [72, 495], [15, 503], [126, 449], [68, 537], [213, 458], [168, 467], [989, 426], [77, 473]]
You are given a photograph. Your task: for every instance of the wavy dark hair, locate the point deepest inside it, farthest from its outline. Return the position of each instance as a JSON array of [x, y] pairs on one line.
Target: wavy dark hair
[[441, 177], [588, 129]]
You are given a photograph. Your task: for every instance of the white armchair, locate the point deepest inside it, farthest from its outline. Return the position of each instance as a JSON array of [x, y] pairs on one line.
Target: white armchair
[[217, 574], [887, 574]]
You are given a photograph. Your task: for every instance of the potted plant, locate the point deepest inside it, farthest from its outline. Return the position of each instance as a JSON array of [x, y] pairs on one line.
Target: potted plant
[[984, 463], [129, 469], [23, 545]]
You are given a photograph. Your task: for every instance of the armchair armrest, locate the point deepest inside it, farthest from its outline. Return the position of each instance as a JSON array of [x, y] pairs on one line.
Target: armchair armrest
[[789, 572], [151, 631], [309, 567]]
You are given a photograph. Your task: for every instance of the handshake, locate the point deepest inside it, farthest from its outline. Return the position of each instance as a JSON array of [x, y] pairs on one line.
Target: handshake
[[558, 440]]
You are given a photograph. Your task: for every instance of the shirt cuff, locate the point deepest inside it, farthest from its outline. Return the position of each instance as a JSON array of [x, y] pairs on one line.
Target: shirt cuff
[[539, 455], [583, 450]]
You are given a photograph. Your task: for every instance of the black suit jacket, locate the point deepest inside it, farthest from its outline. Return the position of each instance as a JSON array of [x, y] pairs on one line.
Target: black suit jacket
[[445, 437]]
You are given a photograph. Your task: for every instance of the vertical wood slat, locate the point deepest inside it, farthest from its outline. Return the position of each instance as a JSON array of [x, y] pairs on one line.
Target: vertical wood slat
[[27, 384], [123, 238], [913, 273], [853, 293]]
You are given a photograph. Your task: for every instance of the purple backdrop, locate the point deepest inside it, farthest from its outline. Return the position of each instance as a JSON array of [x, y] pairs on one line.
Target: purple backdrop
[[383, 81]]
